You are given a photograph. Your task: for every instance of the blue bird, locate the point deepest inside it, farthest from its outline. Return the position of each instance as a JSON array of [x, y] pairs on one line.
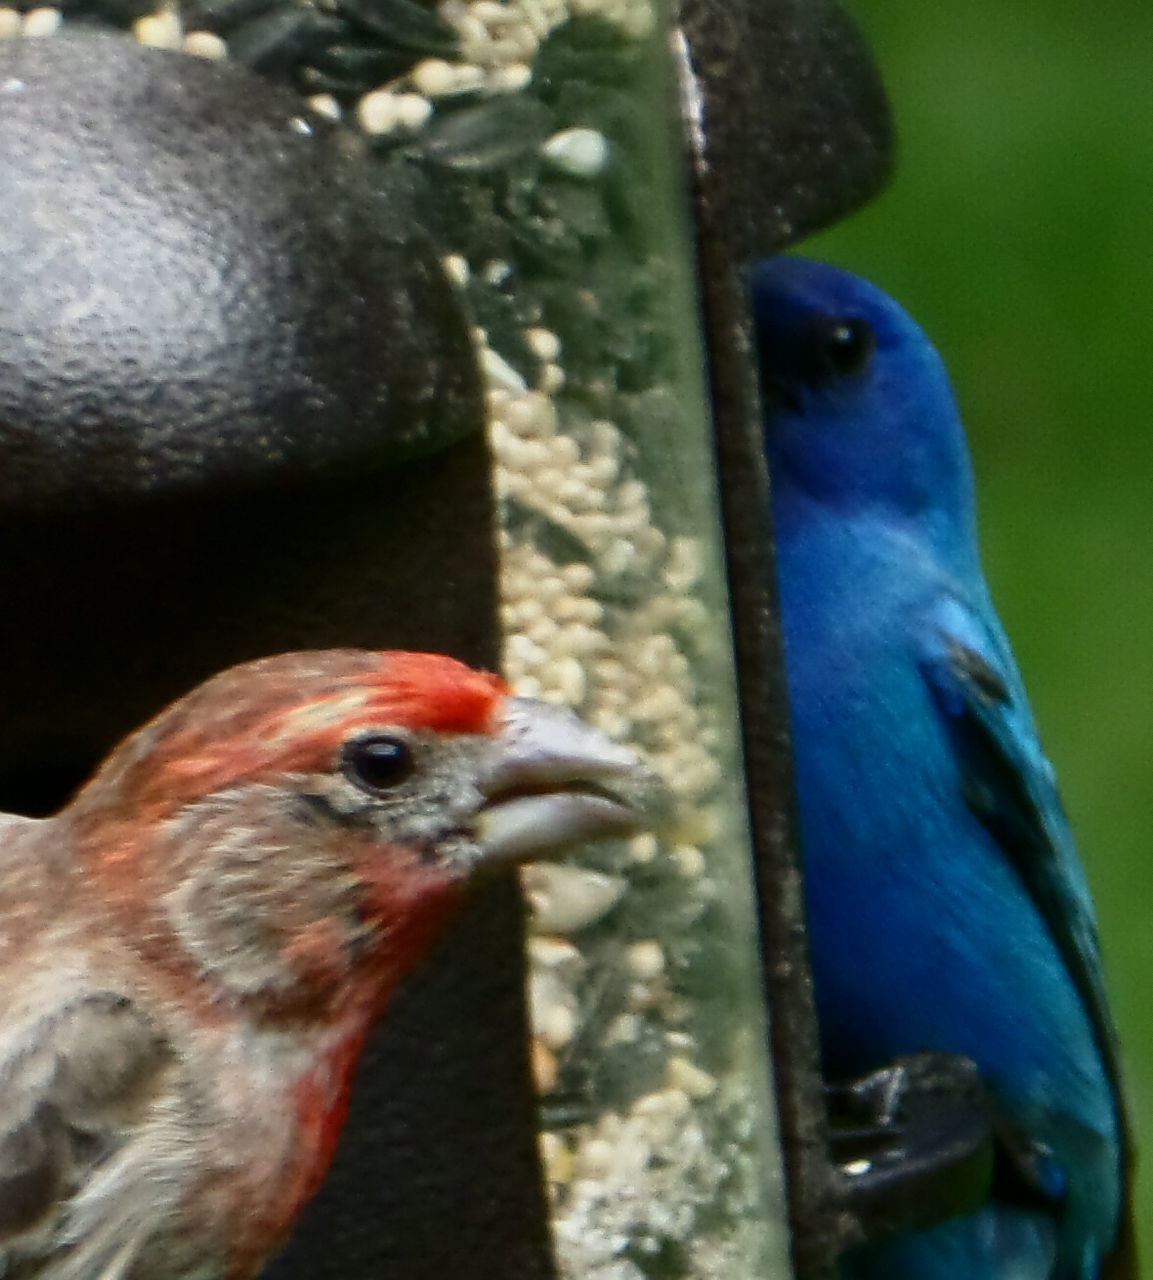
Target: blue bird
[[947, 909]]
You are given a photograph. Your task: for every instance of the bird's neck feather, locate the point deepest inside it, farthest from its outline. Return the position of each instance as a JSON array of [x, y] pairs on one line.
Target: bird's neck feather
[[293, 923], [828, 546]]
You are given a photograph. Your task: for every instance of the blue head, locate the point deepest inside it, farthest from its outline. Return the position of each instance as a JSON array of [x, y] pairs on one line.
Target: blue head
[[859, 411]]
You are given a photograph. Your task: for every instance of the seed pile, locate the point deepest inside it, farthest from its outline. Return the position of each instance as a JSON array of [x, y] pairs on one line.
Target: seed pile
[[633, 1053], [521, 133]]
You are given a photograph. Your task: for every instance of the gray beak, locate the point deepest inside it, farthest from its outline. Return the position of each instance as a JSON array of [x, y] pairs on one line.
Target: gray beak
[[550, 782]]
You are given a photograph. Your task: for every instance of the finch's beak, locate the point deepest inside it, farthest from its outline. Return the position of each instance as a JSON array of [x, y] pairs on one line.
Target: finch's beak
[[551, 782]]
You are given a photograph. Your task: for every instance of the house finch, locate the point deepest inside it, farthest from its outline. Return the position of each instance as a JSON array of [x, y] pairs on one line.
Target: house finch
[[194, 949]]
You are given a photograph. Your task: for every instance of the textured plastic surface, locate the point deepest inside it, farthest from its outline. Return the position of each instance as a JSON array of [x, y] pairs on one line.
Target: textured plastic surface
[[200, 290], [790, 94]]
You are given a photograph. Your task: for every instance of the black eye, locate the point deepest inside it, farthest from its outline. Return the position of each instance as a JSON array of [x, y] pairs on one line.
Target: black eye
[[846, 347], [377, 761]]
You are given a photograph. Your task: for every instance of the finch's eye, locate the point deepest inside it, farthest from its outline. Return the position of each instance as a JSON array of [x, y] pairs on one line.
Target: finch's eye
[[377, 761], [846, 347]]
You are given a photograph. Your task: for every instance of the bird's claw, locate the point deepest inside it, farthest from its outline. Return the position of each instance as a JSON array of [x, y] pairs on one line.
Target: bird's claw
[[914, 1144], [921, 1141]]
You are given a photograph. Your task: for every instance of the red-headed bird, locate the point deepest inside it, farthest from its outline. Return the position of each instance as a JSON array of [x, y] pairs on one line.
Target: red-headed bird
[[192, 952]]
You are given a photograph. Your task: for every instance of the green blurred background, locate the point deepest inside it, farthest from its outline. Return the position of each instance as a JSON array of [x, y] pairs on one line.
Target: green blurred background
[[1019, 231]]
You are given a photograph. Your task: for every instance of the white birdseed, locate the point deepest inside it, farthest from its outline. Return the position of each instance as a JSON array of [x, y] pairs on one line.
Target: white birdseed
[[565, 899], [207, 44], [557, 954], [594, 1159], [42, 22], [11, 23], [645, 960], [456, 266], [491, 13], [551, 378], [684, 1074], [552, 1006], [376, 112], [412, 110], [161, 30], [554, 1025], [569, 681], [497, 369], [497, 271], [467, 78], [433, 77], [511, 78], [544, 344], [643, 849], [472, 30], [690, 861], [581, 153]]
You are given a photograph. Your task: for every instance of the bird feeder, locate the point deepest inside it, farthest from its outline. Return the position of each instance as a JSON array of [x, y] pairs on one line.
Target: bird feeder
[[382, 323]]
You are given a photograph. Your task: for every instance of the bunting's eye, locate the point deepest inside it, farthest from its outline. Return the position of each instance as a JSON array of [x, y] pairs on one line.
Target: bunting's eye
[[845, 347], [377, 762]]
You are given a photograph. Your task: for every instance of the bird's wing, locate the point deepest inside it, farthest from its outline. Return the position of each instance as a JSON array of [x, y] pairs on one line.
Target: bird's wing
[[76, 1085], [1011, 788]]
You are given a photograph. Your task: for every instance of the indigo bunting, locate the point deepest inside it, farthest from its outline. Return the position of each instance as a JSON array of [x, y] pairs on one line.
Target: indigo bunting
[[946, 907]]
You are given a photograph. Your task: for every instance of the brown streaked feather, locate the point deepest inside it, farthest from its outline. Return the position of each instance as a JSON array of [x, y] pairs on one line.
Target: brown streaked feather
[[74, 1087]]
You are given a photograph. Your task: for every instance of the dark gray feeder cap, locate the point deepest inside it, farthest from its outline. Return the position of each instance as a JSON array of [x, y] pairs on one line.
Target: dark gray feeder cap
[[198, 287]]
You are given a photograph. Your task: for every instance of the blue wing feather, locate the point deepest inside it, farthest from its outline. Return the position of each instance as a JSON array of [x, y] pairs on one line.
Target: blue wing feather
[[1011, 788]]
